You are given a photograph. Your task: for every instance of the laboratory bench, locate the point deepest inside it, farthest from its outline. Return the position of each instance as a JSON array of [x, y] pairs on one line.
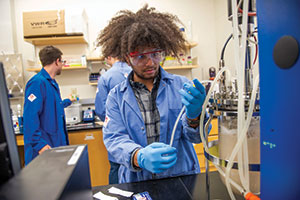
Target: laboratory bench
[[69, 179], [91, 134], [84, 133], [179, 188]]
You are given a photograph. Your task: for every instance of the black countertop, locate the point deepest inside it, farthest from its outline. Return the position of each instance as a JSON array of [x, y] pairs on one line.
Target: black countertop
[[84, 126], [175, 188], [77, 127]]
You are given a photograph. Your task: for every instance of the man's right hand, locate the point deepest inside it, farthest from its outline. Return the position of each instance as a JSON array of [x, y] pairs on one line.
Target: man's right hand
[[157, 157], [44, 149]]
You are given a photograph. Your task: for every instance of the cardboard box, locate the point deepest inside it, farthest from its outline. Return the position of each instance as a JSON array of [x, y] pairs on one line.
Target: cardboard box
[[76, 21], [44, 23]]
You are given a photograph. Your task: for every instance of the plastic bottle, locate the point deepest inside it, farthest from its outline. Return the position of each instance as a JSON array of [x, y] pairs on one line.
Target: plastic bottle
[[15, 121], [183, 33], [20, 117], [169, 61], [189, 60], [83, 60], [182, 59]]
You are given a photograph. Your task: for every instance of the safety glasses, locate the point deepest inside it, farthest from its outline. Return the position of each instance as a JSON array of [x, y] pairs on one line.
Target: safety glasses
[[63, 61], [139, 59]]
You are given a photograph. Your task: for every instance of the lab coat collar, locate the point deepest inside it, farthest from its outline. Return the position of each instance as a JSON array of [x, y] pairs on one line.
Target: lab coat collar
[[48, 77], [45, 74]]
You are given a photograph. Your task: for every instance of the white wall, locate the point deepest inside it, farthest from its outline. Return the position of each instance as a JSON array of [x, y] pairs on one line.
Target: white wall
[[6, 34], [205, 17]]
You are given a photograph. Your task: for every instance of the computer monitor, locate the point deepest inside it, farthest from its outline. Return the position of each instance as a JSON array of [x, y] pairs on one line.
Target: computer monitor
[[9, 157]]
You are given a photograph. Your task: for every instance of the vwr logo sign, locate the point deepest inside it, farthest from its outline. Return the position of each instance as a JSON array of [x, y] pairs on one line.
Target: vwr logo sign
[[52, 23]]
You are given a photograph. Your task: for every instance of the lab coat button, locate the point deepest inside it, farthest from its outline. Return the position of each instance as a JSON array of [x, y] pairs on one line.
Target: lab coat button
[[142, 128]]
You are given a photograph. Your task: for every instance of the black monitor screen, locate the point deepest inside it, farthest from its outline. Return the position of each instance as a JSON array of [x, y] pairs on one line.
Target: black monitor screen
[[9, 157]]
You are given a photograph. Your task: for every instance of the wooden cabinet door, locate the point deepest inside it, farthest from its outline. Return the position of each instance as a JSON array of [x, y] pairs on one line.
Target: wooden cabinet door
[[98, 158]]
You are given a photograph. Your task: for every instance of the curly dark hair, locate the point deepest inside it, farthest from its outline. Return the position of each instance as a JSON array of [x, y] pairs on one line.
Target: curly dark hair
[[128, 31]]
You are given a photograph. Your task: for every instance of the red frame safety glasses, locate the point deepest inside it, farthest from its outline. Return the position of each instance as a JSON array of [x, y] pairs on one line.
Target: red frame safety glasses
[[139, 59]]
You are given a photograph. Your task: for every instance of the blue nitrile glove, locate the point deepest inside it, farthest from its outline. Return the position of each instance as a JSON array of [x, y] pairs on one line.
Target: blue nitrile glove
[[157, 157], [193, 98]]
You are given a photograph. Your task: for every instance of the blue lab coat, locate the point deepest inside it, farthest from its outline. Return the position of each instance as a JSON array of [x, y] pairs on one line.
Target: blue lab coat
[[44, 117], [124, 129], [115, 75]]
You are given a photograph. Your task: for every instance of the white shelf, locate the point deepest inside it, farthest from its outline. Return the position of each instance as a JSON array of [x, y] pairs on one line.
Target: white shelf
[[92, 83], [64, 68], [95, 59], [180, 67], [56, 40]]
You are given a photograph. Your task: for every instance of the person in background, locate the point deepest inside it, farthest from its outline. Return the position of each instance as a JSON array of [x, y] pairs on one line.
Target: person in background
[[141, 111], [44, 117], [115, 75]]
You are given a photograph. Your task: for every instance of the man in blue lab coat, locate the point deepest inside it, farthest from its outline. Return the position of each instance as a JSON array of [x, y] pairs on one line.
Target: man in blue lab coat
[[141, 111], [44, 117], [116, 74]]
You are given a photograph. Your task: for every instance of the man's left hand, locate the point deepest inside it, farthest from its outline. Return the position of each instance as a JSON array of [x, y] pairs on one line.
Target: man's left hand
[[193, 98]]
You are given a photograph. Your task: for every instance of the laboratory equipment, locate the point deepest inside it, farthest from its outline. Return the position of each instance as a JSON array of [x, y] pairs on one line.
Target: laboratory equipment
[[236, 152], [238, 110], [88, 115], [279, 39], [212, 75], [9, 157], [73, 113], [13, 67], [279, 68]]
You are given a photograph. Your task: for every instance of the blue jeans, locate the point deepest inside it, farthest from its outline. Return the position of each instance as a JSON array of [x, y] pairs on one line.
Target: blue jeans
[[113, 173]]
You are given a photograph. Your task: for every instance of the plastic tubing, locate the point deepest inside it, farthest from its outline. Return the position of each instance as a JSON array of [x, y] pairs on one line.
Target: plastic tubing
[[245, 128], [205, 104], [179, 116], [240, 51], [203, 110], [175, 126], [239, 188], [201, 125], [237, 65], [243, 155]]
